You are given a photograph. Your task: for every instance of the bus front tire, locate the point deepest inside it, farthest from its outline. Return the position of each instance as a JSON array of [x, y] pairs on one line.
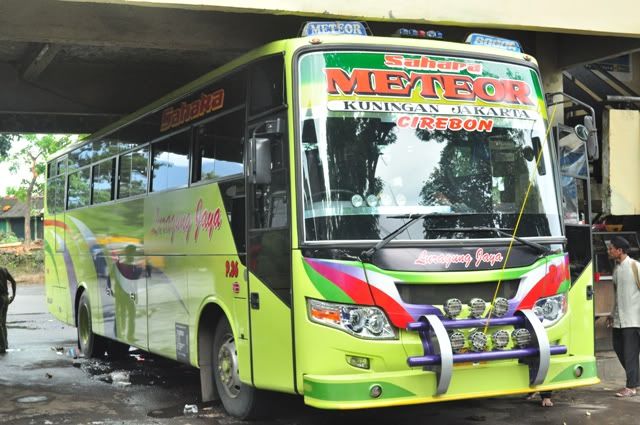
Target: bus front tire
[[90, 344], [239, 400]]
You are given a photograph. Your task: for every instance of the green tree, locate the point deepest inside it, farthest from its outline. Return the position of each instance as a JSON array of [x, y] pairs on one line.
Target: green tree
[[37, 147], [5, 144]]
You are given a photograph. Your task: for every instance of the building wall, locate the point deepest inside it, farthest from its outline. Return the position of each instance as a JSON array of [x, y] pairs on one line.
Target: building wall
[[621, 162]]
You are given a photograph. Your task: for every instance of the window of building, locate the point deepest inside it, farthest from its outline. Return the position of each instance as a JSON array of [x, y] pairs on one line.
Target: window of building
[[134, 173]]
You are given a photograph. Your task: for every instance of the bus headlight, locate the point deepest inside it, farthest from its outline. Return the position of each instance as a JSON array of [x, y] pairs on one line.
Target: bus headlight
[[357, 320], [552, 309]]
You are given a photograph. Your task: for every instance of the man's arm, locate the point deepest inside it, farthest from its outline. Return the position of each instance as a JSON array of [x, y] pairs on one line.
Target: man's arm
[[13, 286]]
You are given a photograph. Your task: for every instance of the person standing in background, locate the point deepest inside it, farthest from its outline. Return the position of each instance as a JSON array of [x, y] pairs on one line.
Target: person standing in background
[[625, 317], [5, 300]]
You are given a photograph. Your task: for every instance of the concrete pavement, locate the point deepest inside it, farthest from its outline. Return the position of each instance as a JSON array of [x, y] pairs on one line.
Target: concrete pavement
[[40, 383]]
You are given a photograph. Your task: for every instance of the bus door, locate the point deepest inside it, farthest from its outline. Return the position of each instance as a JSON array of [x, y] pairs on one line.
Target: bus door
[[269, 255]]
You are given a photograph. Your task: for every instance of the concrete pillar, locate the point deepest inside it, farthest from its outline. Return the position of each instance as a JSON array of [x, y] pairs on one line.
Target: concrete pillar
[[620, 159], [547, 56]]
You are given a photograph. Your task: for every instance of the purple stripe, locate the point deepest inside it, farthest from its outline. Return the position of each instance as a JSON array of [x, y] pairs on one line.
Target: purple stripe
[[485, 356], [471, 323]]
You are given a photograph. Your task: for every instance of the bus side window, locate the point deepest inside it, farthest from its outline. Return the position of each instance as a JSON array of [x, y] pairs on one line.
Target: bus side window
[[271, 200], [218, 147], [102, 184], [133, 174], [170, 162], [267, 85], [79, 188]]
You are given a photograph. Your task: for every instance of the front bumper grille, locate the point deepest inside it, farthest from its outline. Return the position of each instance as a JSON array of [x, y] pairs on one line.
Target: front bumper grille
[[437, 294]]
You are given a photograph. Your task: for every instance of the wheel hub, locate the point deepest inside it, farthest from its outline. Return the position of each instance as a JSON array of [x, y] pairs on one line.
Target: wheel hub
[[228, 367]]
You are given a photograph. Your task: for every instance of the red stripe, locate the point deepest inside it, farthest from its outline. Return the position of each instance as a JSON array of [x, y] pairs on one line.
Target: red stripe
[[55, 223], [547, 286], [397, 313], [356, 289]]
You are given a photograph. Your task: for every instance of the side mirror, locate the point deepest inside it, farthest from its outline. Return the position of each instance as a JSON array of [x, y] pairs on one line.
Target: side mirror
[[261, 162], [582, 132], [593, 150], [270, 128]]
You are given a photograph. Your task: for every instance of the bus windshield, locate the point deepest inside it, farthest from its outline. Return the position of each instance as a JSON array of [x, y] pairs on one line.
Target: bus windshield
[[384, 136]]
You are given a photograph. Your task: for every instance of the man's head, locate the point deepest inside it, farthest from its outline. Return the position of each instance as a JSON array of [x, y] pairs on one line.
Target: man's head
[[618, 248]]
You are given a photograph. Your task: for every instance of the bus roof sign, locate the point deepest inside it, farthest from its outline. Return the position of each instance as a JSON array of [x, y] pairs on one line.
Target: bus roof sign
[[334, 28], [492, 41]]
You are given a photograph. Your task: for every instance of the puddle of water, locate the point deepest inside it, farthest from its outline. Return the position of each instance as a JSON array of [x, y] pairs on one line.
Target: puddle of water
[[32, 399]]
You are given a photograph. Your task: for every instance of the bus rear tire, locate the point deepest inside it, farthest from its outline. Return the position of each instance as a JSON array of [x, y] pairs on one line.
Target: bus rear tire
[[90, 344], [238, 399]]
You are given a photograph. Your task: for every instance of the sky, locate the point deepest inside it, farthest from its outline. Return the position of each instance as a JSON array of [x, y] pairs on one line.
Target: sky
[[7, 179]]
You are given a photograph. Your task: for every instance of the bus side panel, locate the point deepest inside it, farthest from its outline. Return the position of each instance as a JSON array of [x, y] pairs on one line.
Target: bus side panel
[[106, 250], [168, 311], [271, 340], [193, 260], [214, 278], [582, 315], [55, 275]]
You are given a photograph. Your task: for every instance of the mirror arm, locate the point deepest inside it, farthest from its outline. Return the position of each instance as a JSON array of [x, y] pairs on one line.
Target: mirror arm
[[549, 98]]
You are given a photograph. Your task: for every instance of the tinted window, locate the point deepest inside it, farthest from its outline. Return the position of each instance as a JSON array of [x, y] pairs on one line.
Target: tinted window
[[104, 148], [55, 195], [170, 162], [219, 147], [79, 188], [267, 84], [61, 166], [81, 156], [103, 181], [133, 173]]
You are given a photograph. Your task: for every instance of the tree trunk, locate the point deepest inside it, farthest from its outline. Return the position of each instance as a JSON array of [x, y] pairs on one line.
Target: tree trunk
[[27, 223]]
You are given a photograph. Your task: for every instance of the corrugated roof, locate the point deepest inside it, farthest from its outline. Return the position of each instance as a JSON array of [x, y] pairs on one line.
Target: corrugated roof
[[11, 207]]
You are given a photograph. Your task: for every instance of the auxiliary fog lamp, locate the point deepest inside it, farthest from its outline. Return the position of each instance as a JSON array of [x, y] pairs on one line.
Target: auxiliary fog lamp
[[521, 337], [452, 308], [457, 341], [500, 307], [500, 339], [477, 306], [478, 341]]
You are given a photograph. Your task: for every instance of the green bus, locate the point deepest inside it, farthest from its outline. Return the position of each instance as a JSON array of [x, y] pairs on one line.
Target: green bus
[[330, 216]]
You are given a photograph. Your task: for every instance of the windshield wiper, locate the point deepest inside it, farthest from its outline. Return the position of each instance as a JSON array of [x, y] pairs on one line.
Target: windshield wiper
[[540, 248], [368, 254]]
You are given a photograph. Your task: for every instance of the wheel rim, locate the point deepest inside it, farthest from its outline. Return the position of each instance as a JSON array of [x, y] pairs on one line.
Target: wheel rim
[[228, 367], [83, 326]]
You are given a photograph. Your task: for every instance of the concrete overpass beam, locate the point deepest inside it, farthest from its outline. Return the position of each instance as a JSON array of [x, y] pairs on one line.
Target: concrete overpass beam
[[581, 49], [38, 59]]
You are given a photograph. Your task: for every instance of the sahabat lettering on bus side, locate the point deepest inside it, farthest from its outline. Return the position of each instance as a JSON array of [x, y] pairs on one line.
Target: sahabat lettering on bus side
[[189, 111]]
